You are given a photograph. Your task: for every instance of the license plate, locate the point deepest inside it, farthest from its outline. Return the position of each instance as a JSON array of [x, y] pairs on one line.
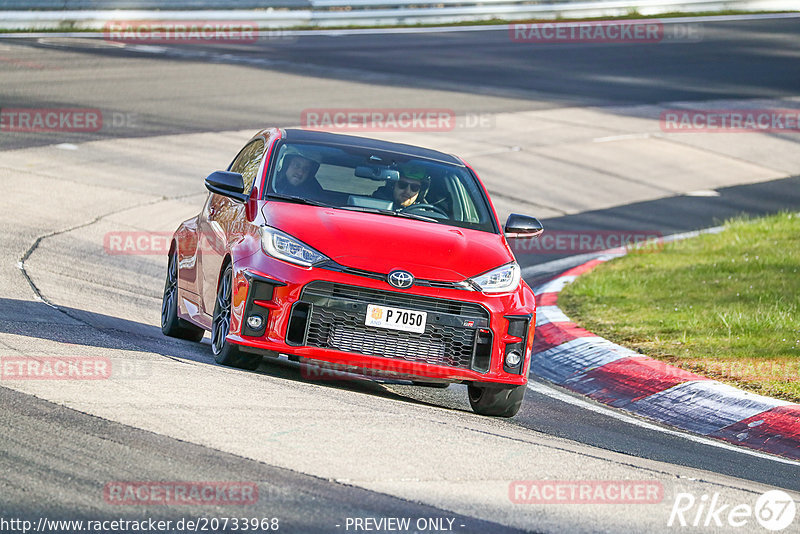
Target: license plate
[[396, 318]]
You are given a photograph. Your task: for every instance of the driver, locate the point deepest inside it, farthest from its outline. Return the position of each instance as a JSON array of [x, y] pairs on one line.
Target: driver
[[406, 191], [409, 189], [296, 176]]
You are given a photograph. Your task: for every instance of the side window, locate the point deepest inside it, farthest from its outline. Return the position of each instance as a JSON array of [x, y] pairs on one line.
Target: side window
[[248, 161], [469, 210]]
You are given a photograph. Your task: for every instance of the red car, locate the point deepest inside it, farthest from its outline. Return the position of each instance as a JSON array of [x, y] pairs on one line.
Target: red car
[[383, 258]]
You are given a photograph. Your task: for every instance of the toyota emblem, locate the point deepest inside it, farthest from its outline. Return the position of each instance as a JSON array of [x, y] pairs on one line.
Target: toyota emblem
[[401, 279]]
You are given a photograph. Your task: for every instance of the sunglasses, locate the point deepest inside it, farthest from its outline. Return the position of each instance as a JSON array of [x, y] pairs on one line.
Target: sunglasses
[[413, 186]]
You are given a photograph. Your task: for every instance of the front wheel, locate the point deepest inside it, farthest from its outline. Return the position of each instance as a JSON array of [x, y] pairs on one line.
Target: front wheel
[[496, 401], [225, 352]]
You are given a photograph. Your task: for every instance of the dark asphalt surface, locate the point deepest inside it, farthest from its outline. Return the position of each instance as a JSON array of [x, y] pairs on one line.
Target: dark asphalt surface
[[746, 59], [56, 463], [56, 460], [190, 91]]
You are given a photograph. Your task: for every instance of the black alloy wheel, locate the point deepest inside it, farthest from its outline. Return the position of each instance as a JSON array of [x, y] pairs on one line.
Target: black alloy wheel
[[225, 352], [171, 324]]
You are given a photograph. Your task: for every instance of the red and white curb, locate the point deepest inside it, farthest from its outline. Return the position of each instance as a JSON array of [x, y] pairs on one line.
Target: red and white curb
[[574, 358]]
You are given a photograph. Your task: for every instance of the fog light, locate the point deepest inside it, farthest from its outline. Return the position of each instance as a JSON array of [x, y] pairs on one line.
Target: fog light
[[513, 358], [255, 322]]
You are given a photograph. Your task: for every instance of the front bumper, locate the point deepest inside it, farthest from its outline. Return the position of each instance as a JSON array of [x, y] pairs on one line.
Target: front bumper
[[319, 314]]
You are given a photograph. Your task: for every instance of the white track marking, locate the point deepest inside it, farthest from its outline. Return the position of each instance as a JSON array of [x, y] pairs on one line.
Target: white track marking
[[620, 137], [703, 193]]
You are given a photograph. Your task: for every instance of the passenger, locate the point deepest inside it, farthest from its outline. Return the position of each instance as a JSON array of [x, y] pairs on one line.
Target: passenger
[[296, 177]]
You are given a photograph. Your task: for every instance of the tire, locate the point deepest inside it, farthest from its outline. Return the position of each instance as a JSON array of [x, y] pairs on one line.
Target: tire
[[171, 324], [226, 353], [494, 401]]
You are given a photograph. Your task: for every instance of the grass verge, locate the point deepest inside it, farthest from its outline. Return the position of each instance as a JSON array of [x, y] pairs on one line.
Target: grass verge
[[725, 305]]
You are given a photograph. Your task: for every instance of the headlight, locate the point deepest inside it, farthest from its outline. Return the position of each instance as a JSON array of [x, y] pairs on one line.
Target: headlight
[[505, 278], [285, 247]]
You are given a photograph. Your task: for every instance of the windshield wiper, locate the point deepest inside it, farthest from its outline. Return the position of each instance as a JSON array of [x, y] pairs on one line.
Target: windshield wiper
[[367, 209], [389, 212], [416, 216], [300, 200]]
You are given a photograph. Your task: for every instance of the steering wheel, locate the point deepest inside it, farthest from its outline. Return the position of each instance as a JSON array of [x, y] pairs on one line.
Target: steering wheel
[[423, 207]]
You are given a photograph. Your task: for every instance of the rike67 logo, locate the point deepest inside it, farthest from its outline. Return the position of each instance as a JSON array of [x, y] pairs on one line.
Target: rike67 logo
[[774, 510]]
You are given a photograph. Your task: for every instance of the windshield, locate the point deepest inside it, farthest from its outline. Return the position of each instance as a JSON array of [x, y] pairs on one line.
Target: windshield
[[380, 182]]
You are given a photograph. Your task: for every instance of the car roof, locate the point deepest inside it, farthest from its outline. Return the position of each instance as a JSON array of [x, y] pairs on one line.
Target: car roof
[[312, 136]]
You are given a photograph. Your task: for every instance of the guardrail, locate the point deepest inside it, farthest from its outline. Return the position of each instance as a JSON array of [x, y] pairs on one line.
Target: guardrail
[[169, 5], [329, 13]]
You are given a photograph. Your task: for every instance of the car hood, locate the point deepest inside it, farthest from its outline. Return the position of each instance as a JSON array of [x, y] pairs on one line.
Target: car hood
[[381, 243]]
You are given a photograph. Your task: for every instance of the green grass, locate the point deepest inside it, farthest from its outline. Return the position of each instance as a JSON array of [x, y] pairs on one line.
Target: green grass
[[722, 305]]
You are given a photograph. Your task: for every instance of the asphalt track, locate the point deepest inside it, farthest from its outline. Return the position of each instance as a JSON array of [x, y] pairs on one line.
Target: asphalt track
[[81, 450], [732, 60], [55, 458], [712, 61]]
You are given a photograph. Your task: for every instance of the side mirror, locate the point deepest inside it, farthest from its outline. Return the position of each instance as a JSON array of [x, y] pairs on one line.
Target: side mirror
[[523, 226], [229, 184]]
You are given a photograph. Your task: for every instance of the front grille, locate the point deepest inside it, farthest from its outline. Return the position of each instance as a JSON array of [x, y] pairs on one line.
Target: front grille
[[337, 313], [330, 290]]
